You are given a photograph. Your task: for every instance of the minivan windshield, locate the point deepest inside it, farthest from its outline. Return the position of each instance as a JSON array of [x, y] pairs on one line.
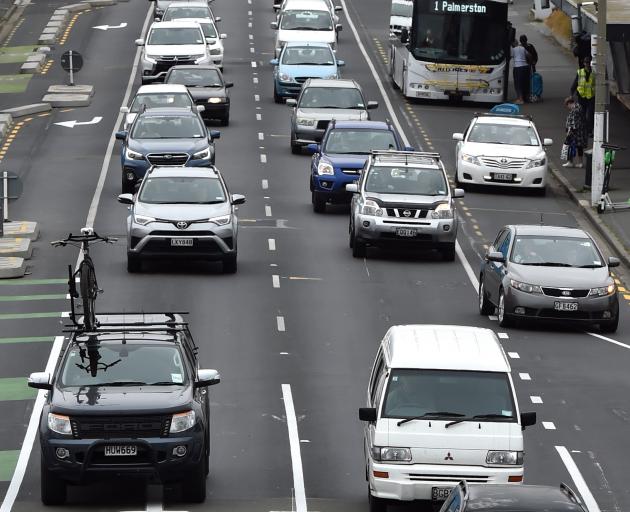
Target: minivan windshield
[[449, 394], [406, 180], [181, 190], [175, 36], [306, 20]]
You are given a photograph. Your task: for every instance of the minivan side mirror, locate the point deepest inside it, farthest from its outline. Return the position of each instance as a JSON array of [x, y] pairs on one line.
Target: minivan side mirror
[[613, 262], [227, 85], [207, 378], [200, 108], [367, 414], [341, 63], [528, 419], [458, 192], [547, 142], [458, 136], [291, 102], [372, 105], [139, 42], [124, 110], [125, 198], [495, 256], [338, 8], [121, 135], [39, 380], [274, 25], [352, 187], [222, 36], [312, 148], [215, 134], [217, 19], [238, 199], [274, 62], [338, 27]]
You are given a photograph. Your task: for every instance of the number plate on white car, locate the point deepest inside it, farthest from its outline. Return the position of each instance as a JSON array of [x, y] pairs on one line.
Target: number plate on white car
[[406, 232], [182, 242], [121, 450], [440, 493], [499, 176], [565, 306]]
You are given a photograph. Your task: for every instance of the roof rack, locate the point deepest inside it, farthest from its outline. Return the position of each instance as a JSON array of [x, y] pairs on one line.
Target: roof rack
[[527, 117], [570, 493], [406, 157]]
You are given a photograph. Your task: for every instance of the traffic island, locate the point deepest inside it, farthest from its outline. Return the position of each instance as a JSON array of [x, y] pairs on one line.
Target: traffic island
[[10, 268], [26, 110], [21, 229], [71, 89], [67, 100], [16, 247]]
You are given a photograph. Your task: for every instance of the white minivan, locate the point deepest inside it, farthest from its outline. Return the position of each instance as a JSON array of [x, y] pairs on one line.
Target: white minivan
[[440, 408]]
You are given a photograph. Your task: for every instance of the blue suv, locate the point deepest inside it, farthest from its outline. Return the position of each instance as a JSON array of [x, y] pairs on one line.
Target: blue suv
[[299, 61], [341, 156], [164, 136]]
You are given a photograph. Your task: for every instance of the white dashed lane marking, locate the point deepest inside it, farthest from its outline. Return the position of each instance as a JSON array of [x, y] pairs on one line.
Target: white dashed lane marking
[[524, 376], [548, 425], [503, 335], [514, 355], [272, 244], [263, 158], [265, 184], [280, 323], [275, 280], [536, 399], [261, 136], [268, 210], [258, 117]]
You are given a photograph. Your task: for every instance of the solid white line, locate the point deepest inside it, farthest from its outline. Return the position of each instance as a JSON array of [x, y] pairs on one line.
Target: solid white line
[[503, 335], [548, 425], [514, 355], [268, 210], [275, 281], [294, 444], [261, 136], [469, 271], [272, 244], [524, 376], [536, 399], [263, 158], [614, 342], [31, 433], [265, 184], [280, 323], [587, 497]]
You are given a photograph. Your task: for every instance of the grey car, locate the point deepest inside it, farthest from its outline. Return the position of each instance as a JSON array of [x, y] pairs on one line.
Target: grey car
[[403, 199], [182, 212], [548, 273], [320, 101]]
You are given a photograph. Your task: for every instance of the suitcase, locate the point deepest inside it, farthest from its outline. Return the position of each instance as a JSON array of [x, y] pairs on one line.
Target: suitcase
[[536, 90]]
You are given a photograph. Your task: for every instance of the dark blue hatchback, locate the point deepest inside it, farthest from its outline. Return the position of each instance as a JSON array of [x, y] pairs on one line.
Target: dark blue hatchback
[[341, 156]]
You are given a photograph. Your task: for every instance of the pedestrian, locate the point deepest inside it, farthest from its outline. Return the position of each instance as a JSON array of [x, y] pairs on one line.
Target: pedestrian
[[533, 54], [576, 138], [584, 88], [521, 72]]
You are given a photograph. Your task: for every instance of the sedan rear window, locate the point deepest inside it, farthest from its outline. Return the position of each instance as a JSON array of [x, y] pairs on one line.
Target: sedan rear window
[[553, 251], [517, 135], [161, 100], [195, 77], [307, 56], [306, 20], [332, 97], [168, 127], [175, 36], [181, 190], [181, 12], [346, 141], [406, 180]]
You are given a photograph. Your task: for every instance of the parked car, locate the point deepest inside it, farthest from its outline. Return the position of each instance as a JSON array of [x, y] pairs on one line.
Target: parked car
[[548, 273]]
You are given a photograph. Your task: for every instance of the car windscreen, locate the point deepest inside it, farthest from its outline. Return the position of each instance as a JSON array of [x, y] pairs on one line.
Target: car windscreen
[[161, 100], [555, 251], [306, 20], [348, 141], [406, 180], [195, 77], [181, 12], [499, 133], [168, 127], [460, 394], [175, 36], [181, 190], [331, 97], [307, 56], [124, 363]]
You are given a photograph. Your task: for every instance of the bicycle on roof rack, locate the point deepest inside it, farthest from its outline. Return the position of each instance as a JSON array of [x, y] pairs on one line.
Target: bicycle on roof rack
[[88, 287]]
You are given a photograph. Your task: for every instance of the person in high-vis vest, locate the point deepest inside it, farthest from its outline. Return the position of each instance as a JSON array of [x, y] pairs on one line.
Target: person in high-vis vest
[[584, 88]]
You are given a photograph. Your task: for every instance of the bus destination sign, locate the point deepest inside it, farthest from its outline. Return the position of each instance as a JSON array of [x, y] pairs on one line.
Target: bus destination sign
[[463, 7]]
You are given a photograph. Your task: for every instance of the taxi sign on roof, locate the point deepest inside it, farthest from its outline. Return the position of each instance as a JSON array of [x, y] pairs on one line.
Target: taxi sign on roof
[[506, 108]]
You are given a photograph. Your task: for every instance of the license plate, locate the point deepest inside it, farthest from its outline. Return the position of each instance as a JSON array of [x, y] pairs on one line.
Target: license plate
[[121, 450], [565, 306], [503, 177], [406, 232], [440, 493], [181, 242], [423, 94]]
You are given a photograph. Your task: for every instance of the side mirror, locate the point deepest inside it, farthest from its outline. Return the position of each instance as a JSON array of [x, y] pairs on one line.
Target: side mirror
[[222, 36], [338, 8], [528, 419], [613, 262], [125, 198], [227, 85], [276, 7], [207, 378], [39, 380], [338, 27], [352, 187], [547, 142], [200, 108], [139, 42], [274, 25], [371, 105], [238, 199], [274, 62], [409, 148], [312, 148], [367, 414], [341, 63], [121, 135], [291, 102], [217, 19], [215, 134], [495, 256], [458, 192], [458, 136], [157, 19], [124, 110], [404, 35]]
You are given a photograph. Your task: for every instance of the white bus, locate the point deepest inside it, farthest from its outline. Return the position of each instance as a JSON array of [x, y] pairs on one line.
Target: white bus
[[455, 49]]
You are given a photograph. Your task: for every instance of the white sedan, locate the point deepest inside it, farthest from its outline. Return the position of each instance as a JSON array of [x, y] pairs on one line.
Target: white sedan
[[501, 150]]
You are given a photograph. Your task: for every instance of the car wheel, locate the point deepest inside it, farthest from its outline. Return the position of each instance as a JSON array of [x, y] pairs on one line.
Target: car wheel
[[610, 326], [376, 504], [350, 234], [127, 186], [458, 183], [225, 121], [296, 149], [53, 489], [504, 319], [319, 203], [359, 249], [276, 97], [230, 264], [485, 306], [194, 486], [448, 252], [134, 263]]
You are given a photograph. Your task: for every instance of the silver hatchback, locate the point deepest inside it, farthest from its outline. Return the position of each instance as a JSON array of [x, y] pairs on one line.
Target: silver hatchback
[[181, 212]]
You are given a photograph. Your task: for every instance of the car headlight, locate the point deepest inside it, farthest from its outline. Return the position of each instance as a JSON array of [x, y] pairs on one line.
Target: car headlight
[[391, 454], [536, 162], [204, 154], [215, 51], [59, 423], [603, 291], [216, 100], [525, 287], [133, 155], [182, 421], [221, 221], [371, 208], [325, 168], [471, 159], [303, 121], [143, 220], [443, 211], [504, 458], [285, 78]]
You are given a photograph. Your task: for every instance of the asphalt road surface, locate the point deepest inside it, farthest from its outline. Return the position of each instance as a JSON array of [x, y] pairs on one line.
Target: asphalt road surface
[[295, 331]]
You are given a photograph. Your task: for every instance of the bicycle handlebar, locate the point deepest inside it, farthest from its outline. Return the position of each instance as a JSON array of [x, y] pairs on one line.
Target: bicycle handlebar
[[89, 237]]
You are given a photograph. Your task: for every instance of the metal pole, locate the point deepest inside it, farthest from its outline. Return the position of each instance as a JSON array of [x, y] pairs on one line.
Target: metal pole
[[601, 100], [5, 199], [71, 68]]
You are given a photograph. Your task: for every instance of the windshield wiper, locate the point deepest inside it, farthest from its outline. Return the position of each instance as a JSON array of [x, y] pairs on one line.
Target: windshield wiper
[[548, 264], [436, 414], [165, 383], [479, 417], [123, 383], [590, 266]]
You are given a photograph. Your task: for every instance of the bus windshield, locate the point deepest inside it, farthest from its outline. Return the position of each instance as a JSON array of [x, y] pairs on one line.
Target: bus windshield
[[459, 31]]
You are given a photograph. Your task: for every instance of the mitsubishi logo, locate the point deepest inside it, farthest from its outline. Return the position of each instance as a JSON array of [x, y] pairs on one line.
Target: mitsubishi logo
[[566, 293], [407, 213], [182, 225], [448, 456]]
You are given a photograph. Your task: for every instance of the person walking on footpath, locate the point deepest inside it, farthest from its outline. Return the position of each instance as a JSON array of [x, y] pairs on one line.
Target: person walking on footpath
[[584, 87], [521, 72], [576, 133]]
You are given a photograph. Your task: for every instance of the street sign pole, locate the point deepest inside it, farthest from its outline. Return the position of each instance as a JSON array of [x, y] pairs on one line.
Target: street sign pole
[[600, 134], [5, 199], [71, 69]]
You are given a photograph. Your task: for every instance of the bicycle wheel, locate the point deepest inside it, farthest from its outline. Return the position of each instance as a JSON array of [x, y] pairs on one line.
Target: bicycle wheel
[[89, 291]]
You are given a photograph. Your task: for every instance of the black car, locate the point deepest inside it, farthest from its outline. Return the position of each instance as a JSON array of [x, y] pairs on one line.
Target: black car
[[127, 400], [207, 87], [509, 498]]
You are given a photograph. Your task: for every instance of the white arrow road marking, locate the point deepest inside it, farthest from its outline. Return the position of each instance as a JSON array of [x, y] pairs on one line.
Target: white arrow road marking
[[72, 124], [107, 27]]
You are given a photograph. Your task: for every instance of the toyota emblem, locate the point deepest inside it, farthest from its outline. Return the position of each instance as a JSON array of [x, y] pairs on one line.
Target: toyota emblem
[[448, 456], [407, 213], [182, 225]]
